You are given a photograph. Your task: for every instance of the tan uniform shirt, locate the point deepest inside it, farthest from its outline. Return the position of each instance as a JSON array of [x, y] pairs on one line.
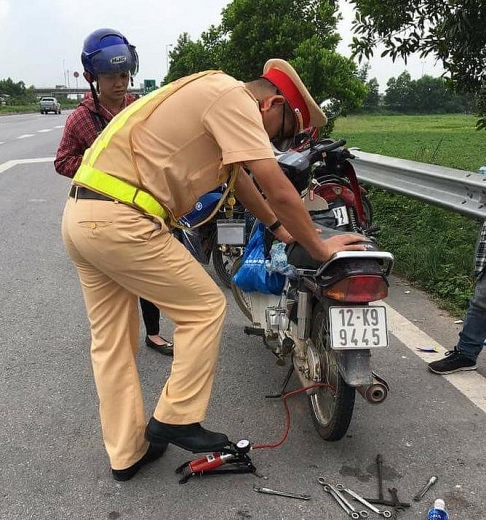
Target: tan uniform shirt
[[185, 146]]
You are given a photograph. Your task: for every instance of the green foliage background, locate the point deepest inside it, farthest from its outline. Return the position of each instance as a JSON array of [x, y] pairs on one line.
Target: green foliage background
[[433, 248]]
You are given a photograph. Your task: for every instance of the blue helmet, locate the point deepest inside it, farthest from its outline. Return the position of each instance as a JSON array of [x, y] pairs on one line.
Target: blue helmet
[[106, 51]]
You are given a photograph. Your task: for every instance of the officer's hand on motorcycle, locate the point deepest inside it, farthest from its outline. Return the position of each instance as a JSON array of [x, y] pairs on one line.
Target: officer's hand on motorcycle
[[347, 242]]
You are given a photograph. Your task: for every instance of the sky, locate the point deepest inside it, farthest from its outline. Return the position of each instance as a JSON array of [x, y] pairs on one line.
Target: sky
[[41, 40]]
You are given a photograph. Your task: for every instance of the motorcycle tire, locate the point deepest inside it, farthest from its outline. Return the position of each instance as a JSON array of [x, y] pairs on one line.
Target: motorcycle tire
[[223, 265], [242, 298], [331, 412]]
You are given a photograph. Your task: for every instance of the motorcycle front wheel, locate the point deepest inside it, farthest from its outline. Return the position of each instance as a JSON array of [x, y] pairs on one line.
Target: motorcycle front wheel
[[331, 408], [242, 298]]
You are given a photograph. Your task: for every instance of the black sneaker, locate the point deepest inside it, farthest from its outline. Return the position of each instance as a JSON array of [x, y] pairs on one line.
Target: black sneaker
[[453, 362]]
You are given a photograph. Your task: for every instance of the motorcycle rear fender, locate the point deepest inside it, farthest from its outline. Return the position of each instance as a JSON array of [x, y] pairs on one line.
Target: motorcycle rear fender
[[355, 366]]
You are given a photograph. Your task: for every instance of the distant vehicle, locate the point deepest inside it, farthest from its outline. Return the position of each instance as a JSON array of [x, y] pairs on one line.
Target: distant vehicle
[[49, 104]]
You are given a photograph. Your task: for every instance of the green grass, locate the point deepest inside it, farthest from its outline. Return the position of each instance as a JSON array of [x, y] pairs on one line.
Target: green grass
[[433, 248]]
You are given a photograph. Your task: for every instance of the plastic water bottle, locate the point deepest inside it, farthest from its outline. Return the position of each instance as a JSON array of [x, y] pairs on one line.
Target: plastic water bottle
[[438, 512]]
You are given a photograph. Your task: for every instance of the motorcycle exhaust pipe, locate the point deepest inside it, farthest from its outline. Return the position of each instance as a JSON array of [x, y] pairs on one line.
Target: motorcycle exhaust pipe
[[376, 392]]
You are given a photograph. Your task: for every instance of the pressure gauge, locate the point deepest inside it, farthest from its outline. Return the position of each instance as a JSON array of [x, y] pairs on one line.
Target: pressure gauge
[[243, 446]]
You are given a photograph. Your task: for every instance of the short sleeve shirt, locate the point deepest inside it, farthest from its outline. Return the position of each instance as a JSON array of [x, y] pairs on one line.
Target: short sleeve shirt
[[187, 145]]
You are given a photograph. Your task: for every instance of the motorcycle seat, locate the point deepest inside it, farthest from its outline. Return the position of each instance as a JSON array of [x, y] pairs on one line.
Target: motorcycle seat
[[300, 258]]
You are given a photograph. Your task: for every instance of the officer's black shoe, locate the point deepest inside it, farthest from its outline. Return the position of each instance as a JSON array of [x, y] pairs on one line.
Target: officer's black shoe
[[192, 437], [153, 453]]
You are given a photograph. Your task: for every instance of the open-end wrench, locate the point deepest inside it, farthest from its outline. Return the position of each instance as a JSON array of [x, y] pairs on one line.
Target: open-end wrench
[[384, 513], [338, 499], [421, 493], [352, 512], [269, 491]]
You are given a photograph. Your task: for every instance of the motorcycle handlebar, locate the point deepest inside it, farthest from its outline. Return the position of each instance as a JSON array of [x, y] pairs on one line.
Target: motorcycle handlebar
[[320, 148]]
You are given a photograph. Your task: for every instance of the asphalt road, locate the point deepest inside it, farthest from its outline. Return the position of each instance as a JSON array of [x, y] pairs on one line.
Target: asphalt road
[[53, 462]]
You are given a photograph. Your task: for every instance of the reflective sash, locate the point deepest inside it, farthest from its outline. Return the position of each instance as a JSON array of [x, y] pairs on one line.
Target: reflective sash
[[90, 177]]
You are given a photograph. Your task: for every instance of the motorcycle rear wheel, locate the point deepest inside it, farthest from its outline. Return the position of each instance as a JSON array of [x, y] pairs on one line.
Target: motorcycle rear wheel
[[223, 264], [331, 412], [242, 298]]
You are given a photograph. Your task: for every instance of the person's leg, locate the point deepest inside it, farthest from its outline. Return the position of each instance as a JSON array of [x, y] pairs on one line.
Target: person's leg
[[473, 333], [151, 317], [471, 337], [113, 316], [151, 320], [143, 257]]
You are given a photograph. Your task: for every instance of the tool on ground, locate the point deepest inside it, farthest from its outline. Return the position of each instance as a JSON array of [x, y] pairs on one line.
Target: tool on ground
[[348, 507], [235, 454], [421, 493], [381, 501], [269, 491], [382, 512], [397, 507]]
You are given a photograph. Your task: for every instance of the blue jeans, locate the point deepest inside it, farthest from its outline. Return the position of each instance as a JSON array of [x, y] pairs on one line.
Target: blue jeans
[[473, 334]]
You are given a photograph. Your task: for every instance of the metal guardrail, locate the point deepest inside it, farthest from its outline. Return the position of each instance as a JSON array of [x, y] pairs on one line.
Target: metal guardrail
[[457, 190]]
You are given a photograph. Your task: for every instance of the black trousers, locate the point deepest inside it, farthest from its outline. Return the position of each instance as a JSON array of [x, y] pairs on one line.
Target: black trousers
[[151, 317]]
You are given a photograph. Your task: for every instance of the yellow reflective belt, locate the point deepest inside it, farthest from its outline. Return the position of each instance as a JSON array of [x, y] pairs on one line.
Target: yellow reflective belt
[[118, 189]]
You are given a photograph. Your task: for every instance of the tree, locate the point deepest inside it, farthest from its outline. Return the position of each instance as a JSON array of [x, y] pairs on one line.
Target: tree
[[17, 93], [399, 93], [301, 32], [259, 29], [451, 30], [372, 99], [188, 57]]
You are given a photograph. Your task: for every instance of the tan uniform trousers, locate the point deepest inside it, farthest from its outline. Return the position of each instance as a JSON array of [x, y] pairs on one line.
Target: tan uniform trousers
[[120, 254]]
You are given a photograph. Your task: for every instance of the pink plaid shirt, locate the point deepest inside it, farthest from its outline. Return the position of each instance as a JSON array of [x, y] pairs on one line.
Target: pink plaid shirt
[[79, 133]]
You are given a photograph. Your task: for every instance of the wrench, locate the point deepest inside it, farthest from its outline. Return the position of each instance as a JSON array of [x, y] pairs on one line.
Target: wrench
[[397, 505], [379, 469], [269, 491], [350, 510], [421, 493], [385, 513]]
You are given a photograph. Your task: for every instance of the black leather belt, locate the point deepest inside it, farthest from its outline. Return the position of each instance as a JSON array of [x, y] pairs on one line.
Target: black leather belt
[[80, 192]]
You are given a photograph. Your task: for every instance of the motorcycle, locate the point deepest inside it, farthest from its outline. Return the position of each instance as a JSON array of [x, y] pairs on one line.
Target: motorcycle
[[325, 321], [221, 239]]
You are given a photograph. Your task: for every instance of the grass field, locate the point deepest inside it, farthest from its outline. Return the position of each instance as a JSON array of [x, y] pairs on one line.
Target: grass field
[[433, 248]]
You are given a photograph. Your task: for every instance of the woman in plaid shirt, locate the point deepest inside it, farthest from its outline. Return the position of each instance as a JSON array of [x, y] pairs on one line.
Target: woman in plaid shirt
[[473, 334], [107, 99]]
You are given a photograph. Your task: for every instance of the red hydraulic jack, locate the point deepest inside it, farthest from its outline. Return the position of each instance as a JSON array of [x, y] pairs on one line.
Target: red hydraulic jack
[[235, 454]]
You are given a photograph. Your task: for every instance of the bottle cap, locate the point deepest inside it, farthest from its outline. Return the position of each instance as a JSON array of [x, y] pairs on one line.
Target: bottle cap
[[439, 504]]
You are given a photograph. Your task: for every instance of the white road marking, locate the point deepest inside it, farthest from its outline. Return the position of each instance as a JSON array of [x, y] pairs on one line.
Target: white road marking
[[471, 384], [45, 130], [25, 136], [10, 164], [59, 126]]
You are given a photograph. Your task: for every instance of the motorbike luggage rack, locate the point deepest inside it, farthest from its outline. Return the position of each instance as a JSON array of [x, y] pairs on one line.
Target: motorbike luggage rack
[[386, 257]]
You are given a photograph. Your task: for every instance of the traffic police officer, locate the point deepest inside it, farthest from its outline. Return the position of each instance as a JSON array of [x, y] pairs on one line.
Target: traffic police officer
[[146, 170]]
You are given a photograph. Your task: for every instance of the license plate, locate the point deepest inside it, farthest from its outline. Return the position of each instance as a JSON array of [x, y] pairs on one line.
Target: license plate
[[341, 215], [358, 327]]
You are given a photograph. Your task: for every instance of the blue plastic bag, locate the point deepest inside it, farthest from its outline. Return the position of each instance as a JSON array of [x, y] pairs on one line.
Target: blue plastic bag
[[252, 276]]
